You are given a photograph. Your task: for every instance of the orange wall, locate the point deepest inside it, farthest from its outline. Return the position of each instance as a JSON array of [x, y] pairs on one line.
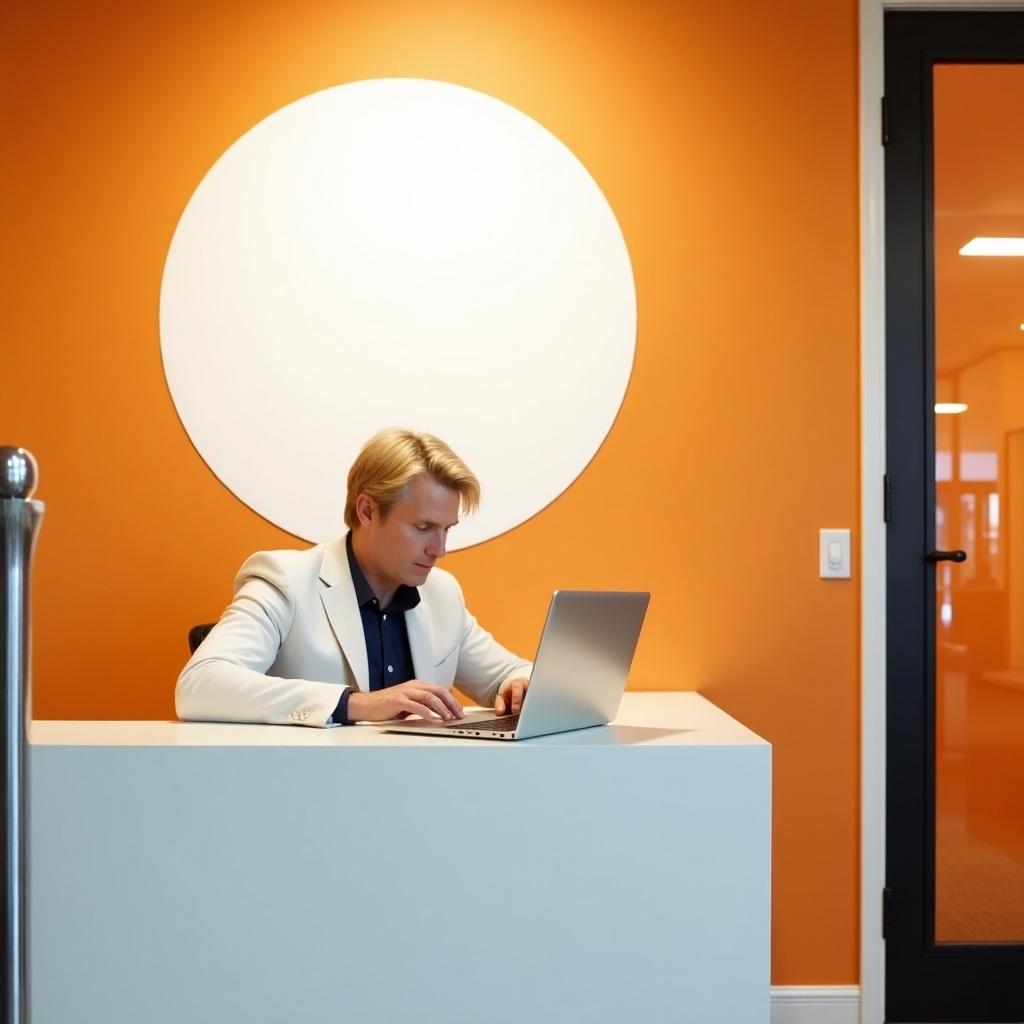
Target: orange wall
[[725, 137]]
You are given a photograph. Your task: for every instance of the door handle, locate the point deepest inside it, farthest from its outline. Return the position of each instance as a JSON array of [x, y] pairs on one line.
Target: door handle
[[946, 556]]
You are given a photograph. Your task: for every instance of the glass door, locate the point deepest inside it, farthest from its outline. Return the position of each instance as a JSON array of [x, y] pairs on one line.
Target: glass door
[[978, 116], [954, 160]]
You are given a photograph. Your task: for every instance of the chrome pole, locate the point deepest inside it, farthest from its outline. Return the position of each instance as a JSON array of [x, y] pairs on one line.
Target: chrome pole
[[19, 520]]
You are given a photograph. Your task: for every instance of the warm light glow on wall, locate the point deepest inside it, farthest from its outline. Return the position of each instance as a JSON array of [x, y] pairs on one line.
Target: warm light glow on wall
[[950, 408], [141, 99]]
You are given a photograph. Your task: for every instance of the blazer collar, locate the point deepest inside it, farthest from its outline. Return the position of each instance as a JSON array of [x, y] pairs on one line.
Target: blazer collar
[[420, 629], [342, 608]]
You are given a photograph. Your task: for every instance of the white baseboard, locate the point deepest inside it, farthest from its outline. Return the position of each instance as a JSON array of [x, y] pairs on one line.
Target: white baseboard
[[815, 1004]]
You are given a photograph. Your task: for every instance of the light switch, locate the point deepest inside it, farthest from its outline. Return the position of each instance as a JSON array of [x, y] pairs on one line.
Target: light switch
[[834, 554]]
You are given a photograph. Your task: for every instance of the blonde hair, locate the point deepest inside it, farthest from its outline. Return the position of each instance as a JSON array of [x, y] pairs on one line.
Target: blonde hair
[[390, 459]]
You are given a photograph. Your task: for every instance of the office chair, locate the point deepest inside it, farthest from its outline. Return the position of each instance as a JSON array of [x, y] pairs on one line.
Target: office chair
[[197, 634]]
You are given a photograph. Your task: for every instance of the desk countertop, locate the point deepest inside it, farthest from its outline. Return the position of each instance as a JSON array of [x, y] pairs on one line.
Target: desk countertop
[[205, 872], [665, 718]]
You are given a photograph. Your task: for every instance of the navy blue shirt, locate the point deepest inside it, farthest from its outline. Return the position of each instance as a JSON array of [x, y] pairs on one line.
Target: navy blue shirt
[[387, 641]]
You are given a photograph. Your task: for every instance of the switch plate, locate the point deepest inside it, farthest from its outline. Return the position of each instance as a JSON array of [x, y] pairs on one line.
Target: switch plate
[[834, 554]]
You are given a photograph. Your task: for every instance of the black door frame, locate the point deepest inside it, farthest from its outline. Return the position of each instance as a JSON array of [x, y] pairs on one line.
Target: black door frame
[[925, 981]]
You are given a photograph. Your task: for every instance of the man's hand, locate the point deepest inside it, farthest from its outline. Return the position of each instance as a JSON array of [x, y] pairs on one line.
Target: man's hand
[[428, 700], [509, 700]]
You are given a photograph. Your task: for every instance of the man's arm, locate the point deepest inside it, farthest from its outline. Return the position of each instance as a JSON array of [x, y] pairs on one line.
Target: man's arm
[[484, 665], [226, 681]]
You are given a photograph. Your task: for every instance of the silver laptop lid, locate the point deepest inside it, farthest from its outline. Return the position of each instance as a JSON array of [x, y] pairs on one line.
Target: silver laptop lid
[[583, 660]]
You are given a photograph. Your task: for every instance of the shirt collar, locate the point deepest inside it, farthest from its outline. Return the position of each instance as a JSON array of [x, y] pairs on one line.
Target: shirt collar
[[405, 598]]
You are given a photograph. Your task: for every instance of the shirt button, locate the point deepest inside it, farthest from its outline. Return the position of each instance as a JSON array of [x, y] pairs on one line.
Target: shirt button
[[390, 669]]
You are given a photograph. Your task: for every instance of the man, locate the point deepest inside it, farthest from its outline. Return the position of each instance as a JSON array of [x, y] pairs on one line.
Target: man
[[363, 628]]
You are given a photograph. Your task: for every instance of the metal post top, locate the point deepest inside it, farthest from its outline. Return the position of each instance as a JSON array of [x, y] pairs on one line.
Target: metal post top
[[19, 472]]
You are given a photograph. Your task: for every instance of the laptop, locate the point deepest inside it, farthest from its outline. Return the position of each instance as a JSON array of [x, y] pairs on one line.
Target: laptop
[[579, 674]]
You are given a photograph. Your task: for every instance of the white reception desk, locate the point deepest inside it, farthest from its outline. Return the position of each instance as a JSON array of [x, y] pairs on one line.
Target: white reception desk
[[224, 873]]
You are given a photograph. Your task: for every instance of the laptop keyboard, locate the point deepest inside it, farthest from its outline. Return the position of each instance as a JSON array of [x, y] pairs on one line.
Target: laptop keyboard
[[506, 724]]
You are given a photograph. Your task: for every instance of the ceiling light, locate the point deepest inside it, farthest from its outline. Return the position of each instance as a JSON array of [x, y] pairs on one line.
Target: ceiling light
[[994, 247], [950, 408]]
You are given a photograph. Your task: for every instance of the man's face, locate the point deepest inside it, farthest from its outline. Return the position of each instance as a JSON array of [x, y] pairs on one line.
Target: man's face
[[403, 546]]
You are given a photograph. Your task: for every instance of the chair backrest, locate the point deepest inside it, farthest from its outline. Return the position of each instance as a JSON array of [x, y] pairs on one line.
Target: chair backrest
[[197, 634]]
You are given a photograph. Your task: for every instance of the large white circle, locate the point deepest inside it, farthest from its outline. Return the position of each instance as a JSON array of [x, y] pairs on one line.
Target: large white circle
[[397, 252]]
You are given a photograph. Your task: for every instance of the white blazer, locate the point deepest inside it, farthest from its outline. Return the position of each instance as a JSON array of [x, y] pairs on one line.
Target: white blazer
[[292, 640]]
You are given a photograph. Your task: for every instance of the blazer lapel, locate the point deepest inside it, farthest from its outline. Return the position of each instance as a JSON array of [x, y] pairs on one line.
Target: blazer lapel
[[339, 600], [419, 627]]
